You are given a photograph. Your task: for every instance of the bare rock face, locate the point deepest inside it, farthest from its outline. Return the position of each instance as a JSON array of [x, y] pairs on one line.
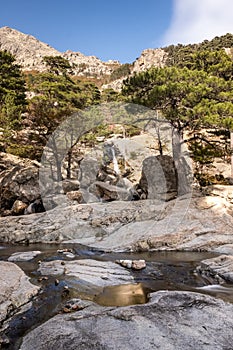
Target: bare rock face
[[171, 320], [18, 180], [29, 53], [28, 50], [15, 289], [199, 224], [89, 66], [223, 191], [149, 58]]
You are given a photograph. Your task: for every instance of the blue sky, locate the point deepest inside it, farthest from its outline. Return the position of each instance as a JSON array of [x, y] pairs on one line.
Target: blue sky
[[118, 29]]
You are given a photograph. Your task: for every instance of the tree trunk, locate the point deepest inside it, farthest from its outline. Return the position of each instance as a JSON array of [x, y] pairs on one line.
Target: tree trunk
[[232, 153], [183, 169]]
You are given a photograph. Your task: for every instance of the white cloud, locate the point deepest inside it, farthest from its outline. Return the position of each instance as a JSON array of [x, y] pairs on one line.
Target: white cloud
[[196, 20]]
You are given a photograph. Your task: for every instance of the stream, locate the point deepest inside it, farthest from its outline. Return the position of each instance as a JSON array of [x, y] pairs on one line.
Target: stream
[[164, 271]]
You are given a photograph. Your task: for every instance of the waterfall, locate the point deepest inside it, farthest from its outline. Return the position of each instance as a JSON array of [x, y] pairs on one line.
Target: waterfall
[[114, 161]]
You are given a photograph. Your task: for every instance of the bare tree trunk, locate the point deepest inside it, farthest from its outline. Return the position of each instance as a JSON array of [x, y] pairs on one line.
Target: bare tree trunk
[[69, 163], [182, 168], [232, 153]]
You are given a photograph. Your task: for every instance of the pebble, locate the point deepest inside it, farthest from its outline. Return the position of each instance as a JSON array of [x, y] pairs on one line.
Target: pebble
[[104, 277], [70, 255], [44, 278], [61, 251], [138, 264], [125, 263], [66, 310]]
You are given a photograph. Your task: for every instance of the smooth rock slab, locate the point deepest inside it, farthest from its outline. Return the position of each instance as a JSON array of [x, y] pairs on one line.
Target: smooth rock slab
[[95, 272], [15, 288], [170, 321], [24, 256], [221, 266]]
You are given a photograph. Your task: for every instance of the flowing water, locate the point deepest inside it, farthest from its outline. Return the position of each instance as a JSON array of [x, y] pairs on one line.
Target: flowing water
[[164, 271]]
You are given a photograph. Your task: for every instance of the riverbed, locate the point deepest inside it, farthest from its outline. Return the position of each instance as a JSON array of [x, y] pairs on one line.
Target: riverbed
[[165, 270]]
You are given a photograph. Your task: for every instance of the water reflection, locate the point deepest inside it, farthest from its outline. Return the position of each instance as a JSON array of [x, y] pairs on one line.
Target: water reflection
[[123, 295]]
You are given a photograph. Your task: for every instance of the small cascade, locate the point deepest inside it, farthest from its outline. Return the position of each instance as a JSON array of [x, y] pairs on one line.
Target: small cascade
[[114, 161]]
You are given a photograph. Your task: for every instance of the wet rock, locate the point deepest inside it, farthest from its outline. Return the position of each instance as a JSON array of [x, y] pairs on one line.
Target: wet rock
[[69, 255], [93, 272], [138, 264], [171, 320], [134, 264], [24, 256], [67, 252], [224, 249], [125, 263], [159, 178], [15, 289], [221, 266], [44, 278]]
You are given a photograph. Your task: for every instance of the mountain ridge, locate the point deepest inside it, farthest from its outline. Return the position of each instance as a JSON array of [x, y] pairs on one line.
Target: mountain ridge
[[29, 52]]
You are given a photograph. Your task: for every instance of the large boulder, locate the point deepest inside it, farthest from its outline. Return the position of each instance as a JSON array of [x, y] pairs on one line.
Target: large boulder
[[171, 320], [18, 180], [15, 289], [159, 178], [89, 168]]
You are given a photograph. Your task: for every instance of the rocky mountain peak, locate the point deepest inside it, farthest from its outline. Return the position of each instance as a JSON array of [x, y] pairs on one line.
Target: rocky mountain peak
[[29, 53], [149, 58], [27, 50]]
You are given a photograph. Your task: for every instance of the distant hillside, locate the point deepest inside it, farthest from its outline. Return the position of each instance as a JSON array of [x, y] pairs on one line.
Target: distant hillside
[[175, 52]]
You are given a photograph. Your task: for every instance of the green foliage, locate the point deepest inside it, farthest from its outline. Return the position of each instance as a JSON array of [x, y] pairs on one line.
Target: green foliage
[[20, 150], [187, 98], [109, 95], [58, 97], [179, 53], [120, 72], [12, 91], [57, 65], [196, 96]]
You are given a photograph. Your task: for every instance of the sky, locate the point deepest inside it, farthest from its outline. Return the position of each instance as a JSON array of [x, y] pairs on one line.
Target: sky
[[119, 29]]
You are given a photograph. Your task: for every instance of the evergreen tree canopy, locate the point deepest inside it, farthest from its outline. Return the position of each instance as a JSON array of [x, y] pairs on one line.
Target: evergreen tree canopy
[[57, 65], [58, 96], [12, 91], [187, 98]]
